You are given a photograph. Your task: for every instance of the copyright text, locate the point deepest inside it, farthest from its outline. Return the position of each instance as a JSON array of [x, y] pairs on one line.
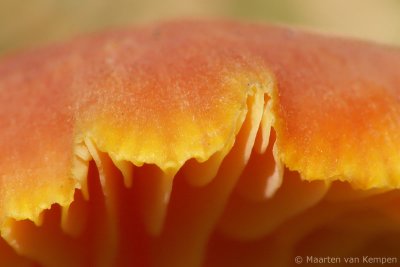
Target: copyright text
[[346, 260]]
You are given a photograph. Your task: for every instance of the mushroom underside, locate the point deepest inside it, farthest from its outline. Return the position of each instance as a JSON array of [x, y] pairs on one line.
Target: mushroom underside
[[240, 207]]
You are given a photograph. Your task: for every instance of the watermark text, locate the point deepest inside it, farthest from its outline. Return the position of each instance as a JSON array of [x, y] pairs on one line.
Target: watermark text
[[346, 260]]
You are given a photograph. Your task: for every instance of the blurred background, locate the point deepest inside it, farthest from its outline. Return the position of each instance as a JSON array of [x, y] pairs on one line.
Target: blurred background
[[31, 23]]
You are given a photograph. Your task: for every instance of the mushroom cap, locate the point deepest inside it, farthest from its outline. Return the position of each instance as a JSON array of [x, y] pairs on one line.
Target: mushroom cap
[[171, 93]]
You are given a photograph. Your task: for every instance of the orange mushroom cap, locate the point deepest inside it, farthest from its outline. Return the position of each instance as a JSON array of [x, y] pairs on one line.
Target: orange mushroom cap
[[177, 96]]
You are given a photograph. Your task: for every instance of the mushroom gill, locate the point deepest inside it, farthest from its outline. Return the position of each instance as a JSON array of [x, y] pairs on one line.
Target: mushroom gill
[[194, 143]]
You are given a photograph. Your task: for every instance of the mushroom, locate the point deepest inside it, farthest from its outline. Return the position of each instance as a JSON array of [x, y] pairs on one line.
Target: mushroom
[[199, 143]]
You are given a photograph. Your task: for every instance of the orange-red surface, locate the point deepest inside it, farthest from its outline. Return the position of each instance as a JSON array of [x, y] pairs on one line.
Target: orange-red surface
[[167, 93]]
